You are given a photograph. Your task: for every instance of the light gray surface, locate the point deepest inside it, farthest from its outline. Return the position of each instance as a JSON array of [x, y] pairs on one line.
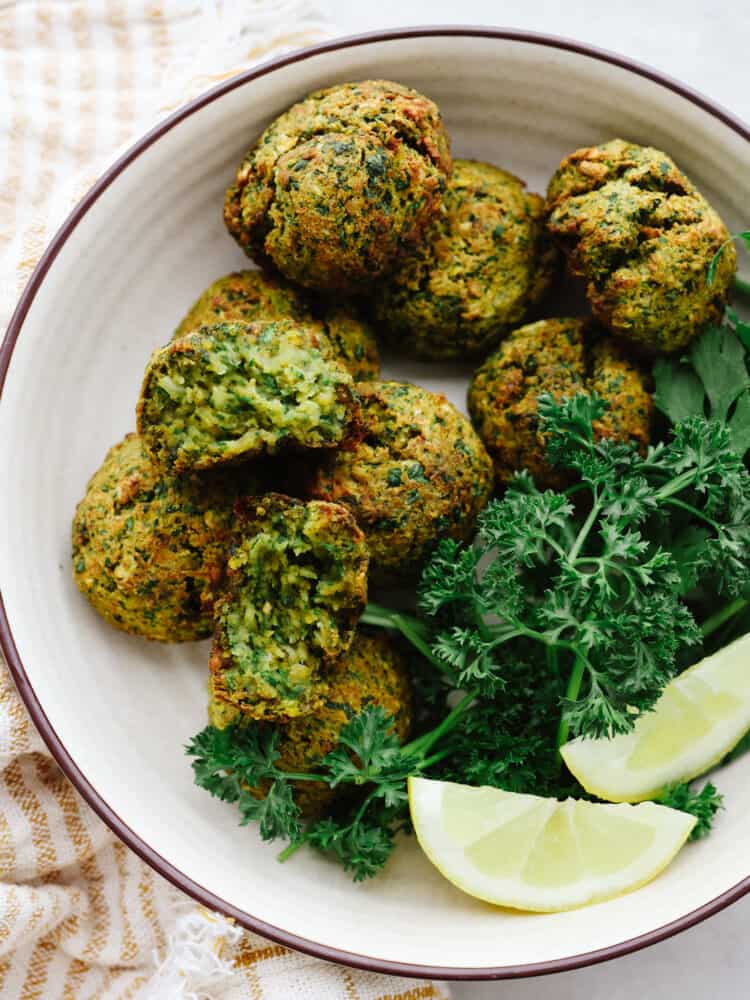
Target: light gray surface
[[702, 44], [705, 46]]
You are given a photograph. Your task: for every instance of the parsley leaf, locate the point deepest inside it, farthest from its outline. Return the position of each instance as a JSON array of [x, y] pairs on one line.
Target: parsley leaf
[[361, 846], [679, 391], [740, 327], [276, 812], [366, 748], [369, 753], [712, 381], [718, 358], [703, 804], [238, 765], [233, 763], [227, 759]]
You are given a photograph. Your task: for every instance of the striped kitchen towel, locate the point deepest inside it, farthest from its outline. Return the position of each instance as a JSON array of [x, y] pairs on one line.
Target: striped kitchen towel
[[81, 917]]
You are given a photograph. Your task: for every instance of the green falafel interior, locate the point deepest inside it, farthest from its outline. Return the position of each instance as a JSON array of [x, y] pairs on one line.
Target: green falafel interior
[[294, 587], [233, 391]]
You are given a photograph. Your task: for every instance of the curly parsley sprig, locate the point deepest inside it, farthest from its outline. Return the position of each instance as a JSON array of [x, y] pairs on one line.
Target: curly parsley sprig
[[238, 765], [568, 615], [595, 583], [703, 804]]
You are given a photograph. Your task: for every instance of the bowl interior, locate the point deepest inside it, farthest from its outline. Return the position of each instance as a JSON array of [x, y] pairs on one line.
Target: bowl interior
[[122, 707]]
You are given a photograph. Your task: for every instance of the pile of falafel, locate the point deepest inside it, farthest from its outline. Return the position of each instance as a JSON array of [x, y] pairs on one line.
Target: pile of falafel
[[273, 476]]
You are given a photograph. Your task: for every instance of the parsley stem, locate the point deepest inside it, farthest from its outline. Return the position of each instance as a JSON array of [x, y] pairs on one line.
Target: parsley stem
[[674, 502], [583, 534], [410, 627], [554, 545], [552, 661], [290, 849], [717, 620], [297, 776], [429, 761], [423, 743], [571, 694], [575, 488], [675, 485], [378, 614], [364, 805]]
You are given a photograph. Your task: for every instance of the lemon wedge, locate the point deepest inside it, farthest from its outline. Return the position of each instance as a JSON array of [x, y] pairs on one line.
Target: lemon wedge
[[534, 853], [700, 717]]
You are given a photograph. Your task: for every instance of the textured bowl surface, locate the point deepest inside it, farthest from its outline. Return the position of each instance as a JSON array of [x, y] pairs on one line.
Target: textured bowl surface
[[117, 710]]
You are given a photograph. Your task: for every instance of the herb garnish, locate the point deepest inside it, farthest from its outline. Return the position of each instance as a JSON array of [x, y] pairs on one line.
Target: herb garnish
[[567, 616], [712, 380], [703, 804]]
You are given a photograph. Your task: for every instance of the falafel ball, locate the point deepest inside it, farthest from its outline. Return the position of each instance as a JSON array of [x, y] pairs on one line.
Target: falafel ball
[[624, 385], [418, 474], [246, 296], [634, 227], [294, 588], [148, 548], [353, 339], [342, 184], [562, 357], [234, 390], [485, 261], [243, 297], [374, 672]]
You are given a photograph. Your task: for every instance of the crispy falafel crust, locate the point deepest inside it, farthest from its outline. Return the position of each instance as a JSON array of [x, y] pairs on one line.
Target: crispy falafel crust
[[248, 296], [353, 339], [635, 228], [419, 473], [294, 588], [243, 297], [485, 261], [148, 548], [547, 356], [561, 357], [373, 672], [341, 184], [626, 388], [231, 391]]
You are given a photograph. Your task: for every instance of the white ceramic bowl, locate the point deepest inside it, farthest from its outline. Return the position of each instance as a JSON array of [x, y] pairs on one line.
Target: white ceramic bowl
[[115, 710]]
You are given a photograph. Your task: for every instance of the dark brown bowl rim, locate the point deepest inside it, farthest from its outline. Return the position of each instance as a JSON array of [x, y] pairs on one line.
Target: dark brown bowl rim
[[7, 643]]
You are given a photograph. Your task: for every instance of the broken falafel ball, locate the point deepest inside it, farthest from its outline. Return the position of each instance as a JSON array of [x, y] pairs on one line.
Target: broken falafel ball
[[247, 296], [231, 391], [294, 588], [372, 673]]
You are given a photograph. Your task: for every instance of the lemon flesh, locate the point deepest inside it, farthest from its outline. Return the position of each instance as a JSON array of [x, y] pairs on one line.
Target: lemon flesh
[[533, 853], [700, 717]]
